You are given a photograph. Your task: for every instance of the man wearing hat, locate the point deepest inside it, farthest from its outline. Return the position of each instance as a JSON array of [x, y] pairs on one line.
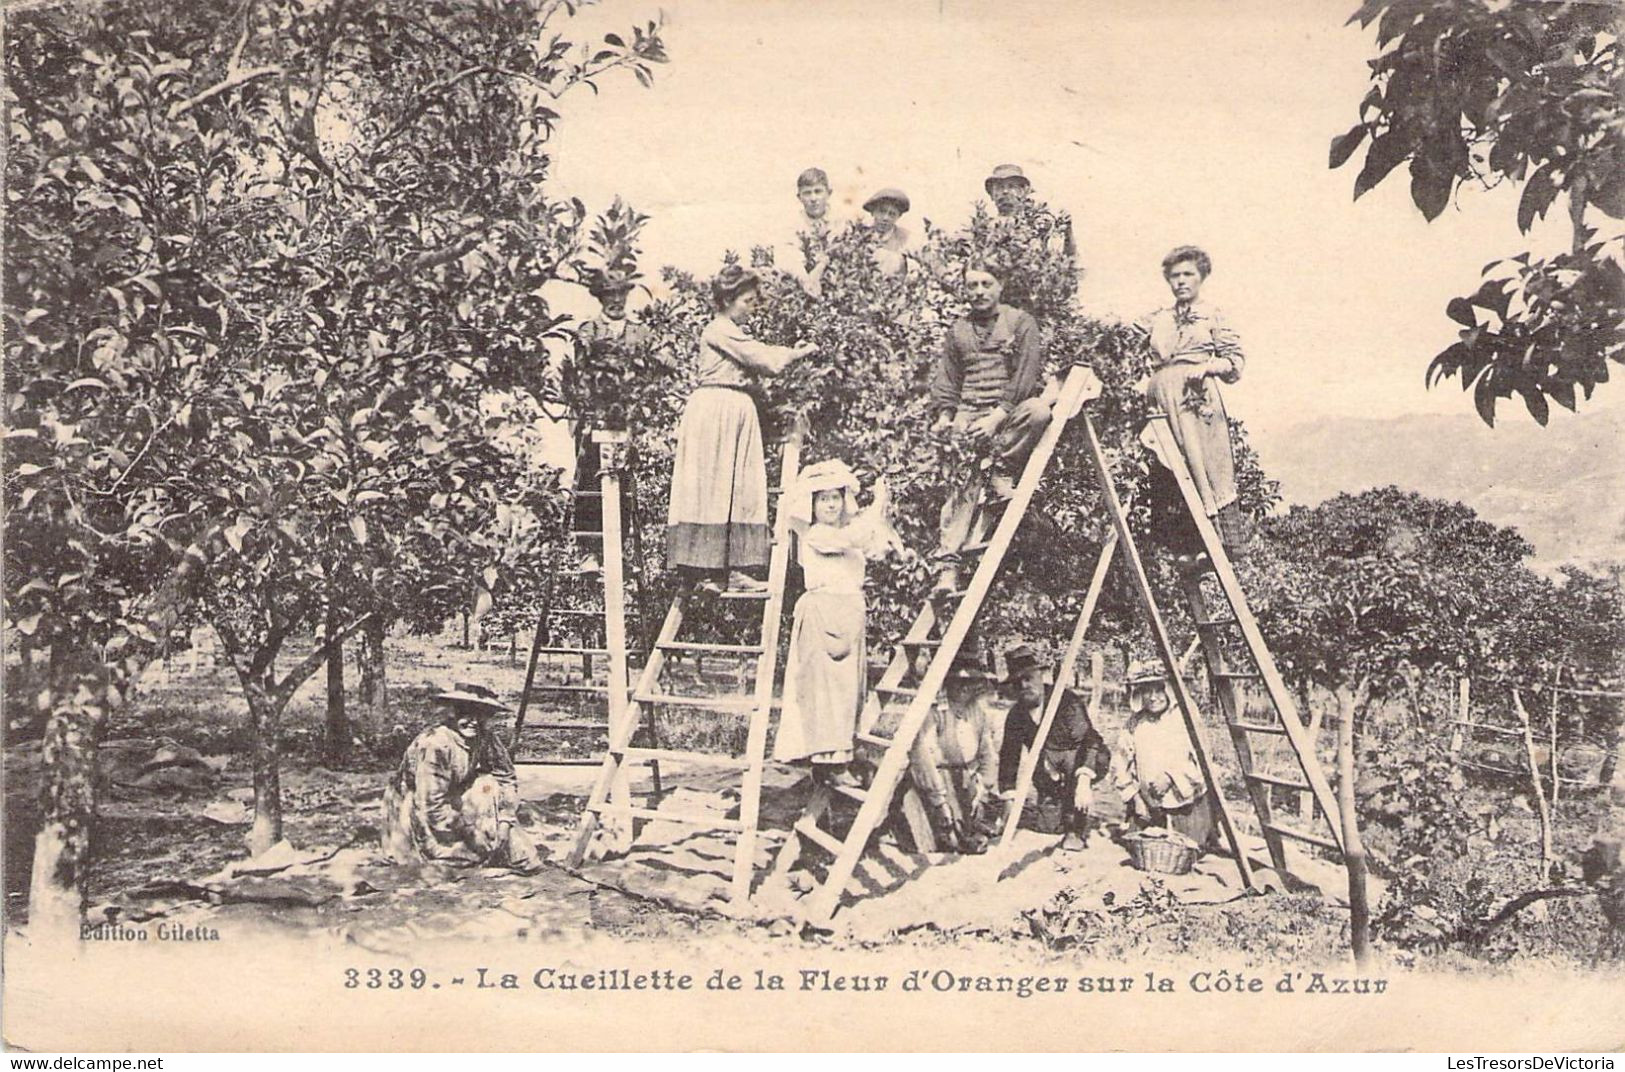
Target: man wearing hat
[[802, 256], [1008, 187], [1155, 768], [954, 766], [1012, 193], [893, 243], [455, 797], [1071, 759]]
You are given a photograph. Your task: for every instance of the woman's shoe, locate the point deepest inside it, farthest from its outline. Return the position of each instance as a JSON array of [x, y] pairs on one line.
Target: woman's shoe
[[842, 777]]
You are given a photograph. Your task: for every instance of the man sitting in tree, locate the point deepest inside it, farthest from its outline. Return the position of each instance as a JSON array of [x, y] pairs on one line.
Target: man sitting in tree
[[1073, 759], [987, 388], [455, 797]]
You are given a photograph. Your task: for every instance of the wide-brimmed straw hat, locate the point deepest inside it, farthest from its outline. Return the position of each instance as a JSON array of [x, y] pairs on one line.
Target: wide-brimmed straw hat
[[600, 284], [1146, 673], [466, 693], [1005, 173], [833, 474], [892, 194]]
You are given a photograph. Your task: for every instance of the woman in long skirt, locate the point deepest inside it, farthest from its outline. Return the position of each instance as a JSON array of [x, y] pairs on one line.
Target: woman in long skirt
[[825, 678], [1195, 350], [717, 524]]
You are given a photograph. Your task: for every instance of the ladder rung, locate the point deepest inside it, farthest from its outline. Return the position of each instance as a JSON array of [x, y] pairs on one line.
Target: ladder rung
[[584, 494], [1254, 727], [1239, 675], [922, 643], [823, 839], [692, 818], [587, 534], [714, 758], [898, 690], [851, 792], [575, 613], [714, 703], [975, 548], [1209, 623], [558, 761], [725, 594], [543, 686], [597, 727], [873, 740], [720, 649], [573, 651], [1304, 835], [1272, 779]]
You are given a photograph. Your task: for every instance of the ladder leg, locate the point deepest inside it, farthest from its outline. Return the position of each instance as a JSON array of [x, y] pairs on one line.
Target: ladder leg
[[790, 852], [1029, 760], [1159, 634]]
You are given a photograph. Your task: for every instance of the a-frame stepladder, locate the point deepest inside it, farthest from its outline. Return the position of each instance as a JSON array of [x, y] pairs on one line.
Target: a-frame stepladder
[[627, 713], [875, 800], [616, 488], [1227, 660], [1283, 721]]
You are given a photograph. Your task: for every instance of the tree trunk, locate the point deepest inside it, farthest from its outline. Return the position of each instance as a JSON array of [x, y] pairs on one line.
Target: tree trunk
[[466, 645], [337, 743], [1545, 811], [1354, 854], [56, 890], [266, 714], [374, 682]]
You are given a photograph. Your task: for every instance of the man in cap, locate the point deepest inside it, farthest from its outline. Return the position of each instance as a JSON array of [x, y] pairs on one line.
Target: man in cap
[[455, 797], [802, 256], [893, 242], [1071, 759], [1155, 767], [988, 387], [953, 766]]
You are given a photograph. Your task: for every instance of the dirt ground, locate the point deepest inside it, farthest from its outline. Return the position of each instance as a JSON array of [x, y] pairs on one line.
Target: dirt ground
[[176, 852]]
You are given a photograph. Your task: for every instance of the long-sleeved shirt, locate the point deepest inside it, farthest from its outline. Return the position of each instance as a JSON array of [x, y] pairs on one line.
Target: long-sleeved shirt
[[1073, 743], [731, 358], [1192, 334], [1155, 757], [437, 767], [954, 735], [992, 360]]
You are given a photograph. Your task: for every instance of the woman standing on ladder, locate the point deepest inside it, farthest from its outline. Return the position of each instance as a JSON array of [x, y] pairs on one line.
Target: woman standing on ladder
[[825, 679], [717, 524], [1193, 349]]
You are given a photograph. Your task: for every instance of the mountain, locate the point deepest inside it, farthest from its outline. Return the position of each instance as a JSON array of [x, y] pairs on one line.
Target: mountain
[[1562, 487]]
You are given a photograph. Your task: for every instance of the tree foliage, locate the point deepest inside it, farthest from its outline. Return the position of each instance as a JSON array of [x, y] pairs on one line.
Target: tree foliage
[[269, 263], [1527, 91]]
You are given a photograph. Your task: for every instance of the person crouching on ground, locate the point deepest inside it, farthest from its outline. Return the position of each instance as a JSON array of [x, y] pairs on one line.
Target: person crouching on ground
[[455, 797], [825, 682], [1073, 759], [988, 387], [1155, 768], [953, 764], [717, 523]]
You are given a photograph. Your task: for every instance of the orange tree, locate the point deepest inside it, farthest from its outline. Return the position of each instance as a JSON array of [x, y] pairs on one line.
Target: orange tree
[[1530, 91], [267, 263], [865, 399]]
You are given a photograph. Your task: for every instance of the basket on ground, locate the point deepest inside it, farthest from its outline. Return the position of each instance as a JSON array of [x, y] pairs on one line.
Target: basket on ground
[[1165, 851]]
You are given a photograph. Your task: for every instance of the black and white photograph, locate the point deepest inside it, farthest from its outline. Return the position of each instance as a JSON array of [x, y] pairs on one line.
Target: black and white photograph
[[774, 525]]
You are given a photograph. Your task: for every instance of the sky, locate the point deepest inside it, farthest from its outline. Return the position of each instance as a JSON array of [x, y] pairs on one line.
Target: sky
[[1154, 125]]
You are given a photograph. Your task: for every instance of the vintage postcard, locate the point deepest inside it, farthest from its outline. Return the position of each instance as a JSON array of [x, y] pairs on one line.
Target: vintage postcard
[[752, 525]]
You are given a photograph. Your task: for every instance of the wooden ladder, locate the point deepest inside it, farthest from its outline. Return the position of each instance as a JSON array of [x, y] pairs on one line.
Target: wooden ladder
[[585, 624], [627, 713], [1219, 623], [874, 801]]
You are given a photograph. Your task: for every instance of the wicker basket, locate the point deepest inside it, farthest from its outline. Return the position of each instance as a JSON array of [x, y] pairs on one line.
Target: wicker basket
[[1164, 851]]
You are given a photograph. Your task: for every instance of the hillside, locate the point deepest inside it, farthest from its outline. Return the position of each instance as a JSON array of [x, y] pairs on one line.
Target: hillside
[[1563, 486]]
